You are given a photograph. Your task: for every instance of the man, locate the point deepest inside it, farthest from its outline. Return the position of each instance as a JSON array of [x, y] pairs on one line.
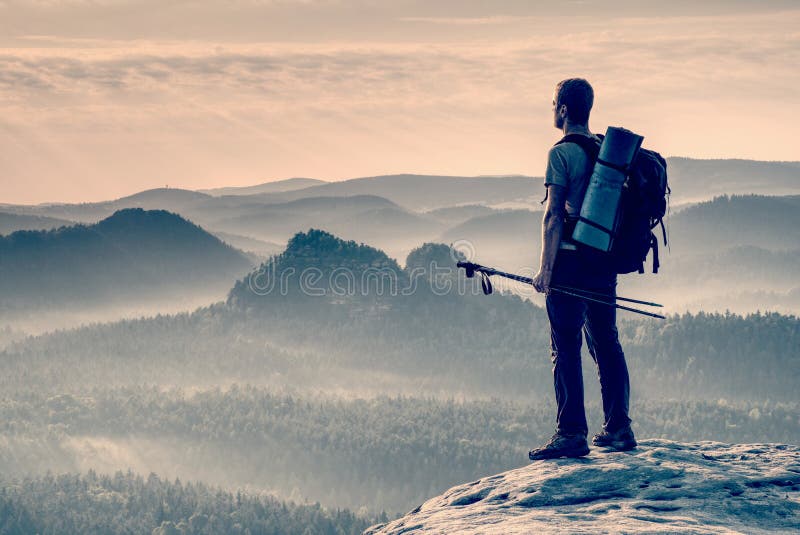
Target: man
[[565, 263]]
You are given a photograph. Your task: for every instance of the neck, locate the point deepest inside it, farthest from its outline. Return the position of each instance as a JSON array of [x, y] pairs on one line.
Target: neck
[[574, 128]]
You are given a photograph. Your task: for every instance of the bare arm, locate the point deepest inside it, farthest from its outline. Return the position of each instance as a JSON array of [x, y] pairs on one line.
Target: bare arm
[[552, 226]]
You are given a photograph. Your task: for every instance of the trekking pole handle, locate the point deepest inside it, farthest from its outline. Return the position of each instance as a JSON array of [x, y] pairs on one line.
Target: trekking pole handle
[[472, 268], [469, 267]]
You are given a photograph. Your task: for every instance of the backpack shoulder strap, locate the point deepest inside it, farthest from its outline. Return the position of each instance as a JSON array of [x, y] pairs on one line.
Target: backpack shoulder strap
[[590, 146]]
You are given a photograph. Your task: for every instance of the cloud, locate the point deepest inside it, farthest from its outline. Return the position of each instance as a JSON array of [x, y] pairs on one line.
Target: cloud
[[472, 21], [342, 20], [635, 57], [155, 111]]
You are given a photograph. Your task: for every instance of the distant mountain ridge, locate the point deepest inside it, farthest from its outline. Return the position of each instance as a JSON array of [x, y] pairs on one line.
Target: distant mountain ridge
[[130, 253], [509, 239], [425, 192], [358, 217], [170, 199], [691, 180], [694, 180], [399, 212], [251, 245], [267, 187], [762, 221], [10, 222]]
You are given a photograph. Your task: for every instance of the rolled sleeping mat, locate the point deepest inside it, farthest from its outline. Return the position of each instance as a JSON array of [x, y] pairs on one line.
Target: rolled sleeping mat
[[599, 215]]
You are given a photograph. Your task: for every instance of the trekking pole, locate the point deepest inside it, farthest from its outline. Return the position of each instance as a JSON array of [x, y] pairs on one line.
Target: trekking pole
[[596, 294], [486, 272], [615, 305]]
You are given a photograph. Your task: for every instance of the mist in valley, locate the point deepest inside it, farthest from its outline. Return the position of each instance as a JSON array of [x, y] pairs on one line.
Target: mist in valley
[[335, 370]]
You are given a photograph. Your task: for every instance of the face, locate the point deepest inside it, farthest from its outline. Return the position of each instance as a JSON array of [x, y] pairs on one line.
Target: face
[[560, 114]]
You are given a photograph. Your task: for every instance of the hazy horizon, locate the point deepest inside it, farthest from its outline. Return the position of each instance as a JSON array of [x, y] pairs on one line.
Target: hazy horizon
[[213, 188]]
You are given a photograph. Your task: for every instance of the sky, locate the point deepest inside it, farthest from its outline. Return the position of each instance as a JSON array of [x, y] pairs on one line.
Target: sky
[[103, 98]]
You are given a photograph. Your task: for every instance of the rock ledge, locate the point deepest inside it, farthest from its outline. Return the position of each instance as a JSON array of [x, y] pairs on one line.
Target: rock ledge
[[661, 487]]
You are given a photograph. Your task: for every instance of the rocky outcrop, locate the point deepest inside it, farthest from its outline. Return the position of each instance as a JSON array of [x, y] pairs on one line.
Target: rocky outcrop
[[661, 487]]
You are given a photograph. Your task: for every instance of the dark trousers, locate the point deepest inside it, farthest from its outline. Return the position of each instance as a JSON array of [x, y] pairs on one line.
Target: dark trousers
[[568, 317]]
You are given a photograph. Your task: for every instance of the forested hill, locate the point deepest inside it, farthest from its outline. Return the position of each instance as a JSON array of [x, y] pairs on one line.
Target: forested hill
[[130, 253], [10, 222], [424, 191], [695, 179], [428, 319], [757, 220], [317, 265], [320, 265], [359, 382], [72, 504], [384, 453], [328, 313]]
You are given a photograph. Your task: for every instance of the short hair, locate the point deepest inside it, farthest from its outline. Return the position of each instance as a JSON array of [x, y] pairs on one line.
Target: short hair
[[578, 95]]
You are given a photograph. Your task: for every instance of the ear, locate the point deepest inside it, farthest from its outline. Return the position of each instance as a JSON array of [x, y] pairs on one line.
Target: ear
[[562, 111]]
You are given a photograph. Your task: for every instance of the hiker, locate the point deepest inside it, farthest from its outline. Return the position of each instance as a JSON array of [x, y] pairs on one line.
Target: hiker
[[568, 264]]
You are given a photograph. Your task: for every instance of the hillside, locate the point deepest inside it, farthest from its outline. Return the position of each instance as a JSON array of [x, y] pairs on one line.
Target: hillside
[[707, 227], [398, 212], [736, 253], [365, 218], [661, 487], [719, 253], [427, 192], [291, 213], [260, 248], [10, 222], [507, 239], [289, 184], [394, 384], [156, 198], [171, 199], [381, 452], [761, 221], [340, 272], [455, 215], [692, 181], [124, 503], [344, 315], [498, 224], [126, 256], [695, 180]]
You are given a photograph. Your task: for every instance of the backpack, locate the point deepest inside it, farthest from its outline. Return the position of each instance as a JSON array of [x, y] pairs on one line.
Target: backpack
[[642, 207]]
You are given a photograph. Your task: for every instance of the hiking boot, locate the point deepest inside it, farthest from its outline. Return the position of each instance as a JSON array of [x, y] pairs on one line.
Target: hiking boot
[[619, 440], [561, 445]]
